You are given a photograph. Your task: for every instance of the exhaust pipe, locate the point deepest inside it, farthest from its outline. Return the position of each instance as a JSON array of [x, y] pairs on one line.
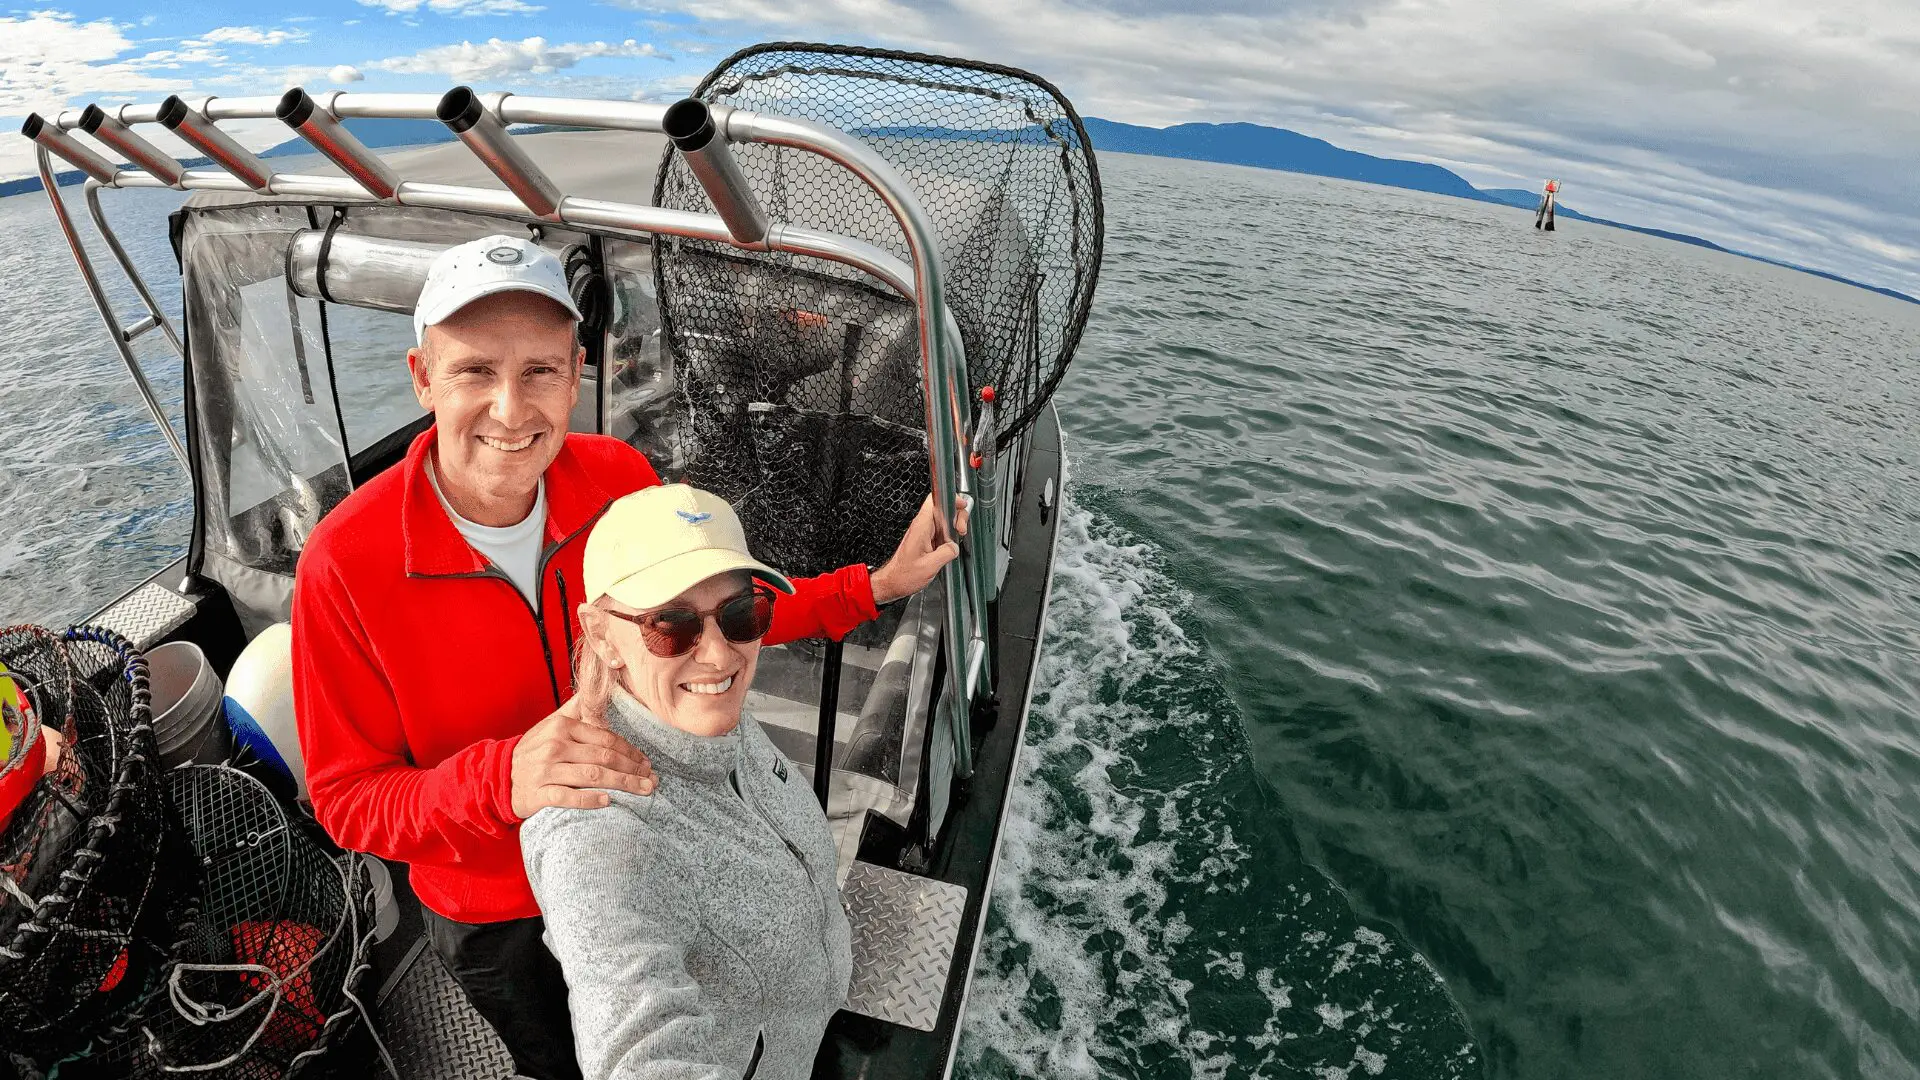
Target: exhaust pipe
[[316, 124], [484, 134], [68, 149], [689, 123], [108, 128], [201, 133]]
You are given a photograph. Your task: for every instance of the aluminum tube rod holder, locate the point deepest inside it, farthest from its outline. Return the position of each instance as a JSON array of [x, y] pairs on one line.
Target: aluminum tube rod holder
[[692, 126], [68, 149], [314, 122], [202, 134], [480, 128], [107, 128]]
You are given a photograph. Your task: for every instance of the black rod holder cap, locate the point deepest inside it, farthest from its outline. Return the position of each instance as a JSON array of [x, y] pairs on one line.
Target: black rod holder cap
[[30, 127], [459, 109], [91, 118], [296, 105], [172, 112], [689, 123]]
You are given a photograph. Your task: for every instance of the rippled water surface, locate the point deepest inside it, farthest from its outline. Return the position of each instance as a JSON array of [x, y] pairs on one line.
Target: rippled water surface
[[1472, 650], [1558, 595]]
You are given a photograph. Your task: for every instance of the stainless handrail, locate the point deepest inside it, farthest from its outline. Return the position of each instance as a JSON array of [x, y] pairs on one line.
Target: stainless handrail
[[121, 341], [139, 283], [943, 373]]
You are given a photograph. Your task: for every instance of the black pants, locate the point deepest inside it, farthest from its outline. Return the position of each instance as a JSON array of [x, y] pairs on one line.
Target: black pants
[[514, 982]]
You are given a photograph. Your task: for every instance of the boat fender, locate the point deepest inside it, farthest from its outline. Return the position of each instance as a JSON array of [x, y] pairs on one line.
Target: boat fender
[[259, 704]]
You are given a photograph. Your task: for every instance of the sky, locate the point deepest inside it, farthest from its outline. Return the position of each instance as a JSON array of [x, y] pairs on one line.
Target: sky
[[1786, 128]]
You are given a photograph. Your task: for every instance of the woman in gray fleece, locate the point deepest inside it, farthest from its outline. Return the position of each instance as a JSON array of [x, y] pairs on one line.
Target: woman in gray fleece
[[699, 927]]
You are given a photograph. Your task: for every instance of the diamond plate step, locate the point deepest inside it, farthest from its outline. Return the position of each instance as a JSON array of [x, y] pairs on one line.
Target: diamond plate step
[[147, 614], [433, 1032], [904, 930]]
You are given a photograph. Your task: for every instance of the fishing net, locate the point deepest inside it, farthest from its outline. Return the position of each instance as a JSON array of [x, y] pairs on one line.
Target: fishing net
[[266, 972], [800, 378], [85, 877]]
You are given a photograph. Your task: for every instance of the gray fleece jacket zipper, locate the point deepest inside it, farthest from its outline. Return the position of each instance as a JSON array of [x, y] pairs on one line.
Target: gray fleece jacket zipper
[[701, 925]]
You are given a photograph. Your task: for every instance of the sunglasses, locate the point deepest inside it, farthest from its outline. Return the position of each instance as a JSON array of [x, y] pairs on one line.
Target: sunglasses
[[675, 629]]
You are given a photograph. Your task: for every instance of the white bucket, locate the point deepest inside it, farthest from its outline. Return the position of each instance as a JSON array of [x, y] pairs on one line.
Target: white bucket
[[189, 726]]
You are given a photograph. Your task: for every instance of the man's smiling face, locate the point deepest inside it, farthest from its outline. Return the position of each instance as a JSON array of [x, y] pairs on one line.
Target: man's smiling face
[[501, 377]]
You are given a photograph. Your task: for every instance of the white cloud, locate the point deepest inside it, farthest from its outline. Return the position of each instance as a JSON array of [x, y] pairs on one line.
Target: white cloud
[[1772, 125], [252, 78], [497, 59], [456, 8], [48, 58], [246, 35]]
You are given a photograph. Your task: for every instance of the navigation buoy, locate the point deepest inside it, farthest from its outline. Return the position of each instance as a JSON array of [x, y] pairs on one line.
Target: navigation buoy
[[1544, 218]]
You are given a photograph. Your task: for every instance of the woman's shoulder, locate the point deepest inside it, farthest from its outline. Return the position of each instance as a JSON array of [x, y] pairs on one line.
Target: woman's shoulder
[[627, 819]]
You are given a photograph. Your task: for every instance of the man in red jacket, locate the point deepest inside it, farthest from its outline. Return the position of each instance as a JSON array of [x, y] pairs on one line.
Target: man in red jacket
[[434, 621]]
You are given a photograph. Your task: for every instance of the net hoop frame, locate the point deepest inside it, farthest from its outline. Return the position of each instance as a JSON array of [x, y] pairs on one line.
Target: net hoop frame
[[133, 777], [1010, 427]]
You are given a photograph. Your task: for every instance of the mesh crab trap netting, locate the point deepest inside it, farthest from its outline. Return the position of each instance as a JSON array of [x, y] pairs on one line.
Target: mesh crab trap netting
[[265, 973], [86, 883], [801, 379]]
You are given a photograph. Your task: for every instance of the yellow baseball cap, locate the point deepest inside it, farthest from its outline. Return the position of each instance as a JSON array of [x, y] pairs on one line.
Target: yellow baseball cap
[[655, 544]]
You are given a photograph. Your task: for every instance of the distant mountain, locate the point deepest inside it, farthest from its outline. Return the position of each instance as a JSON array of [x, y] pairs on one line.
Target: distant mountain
[[1520, 197], [1274, 148]]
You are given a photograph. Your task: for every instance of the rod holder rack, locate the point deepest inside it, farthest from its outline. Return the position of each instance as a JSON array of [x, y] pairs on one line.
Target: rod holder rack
[[108, 129], [690, 123], [479, 126], [314, 121], [193, 126], [68, 149]]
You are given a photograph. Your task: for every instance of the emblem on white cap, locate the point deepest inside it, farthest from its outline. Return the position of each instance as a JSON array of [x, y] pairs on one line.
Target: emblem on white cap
[[483, 267]]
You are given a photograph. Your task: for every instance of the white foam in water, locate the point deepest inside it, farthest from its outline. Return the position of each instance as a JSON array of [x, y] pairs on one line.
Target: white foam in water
[[1060, 881], [1077, 973]]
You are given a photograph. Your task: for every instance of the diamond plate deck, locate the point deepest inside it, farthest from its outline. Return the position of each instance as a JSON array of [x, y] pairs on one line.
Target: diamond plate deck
[[904, 928], [147, 614], [431, 1030]]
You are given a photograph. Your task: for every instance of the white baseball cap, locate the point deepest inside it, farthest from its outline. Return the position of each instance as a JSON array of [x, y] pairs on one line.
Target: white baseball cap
[[483, 267], [657, 543]]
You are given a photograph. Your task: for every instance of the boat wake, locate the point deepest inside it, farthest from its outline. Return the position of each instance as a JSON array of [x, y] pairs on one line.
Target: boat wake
[[1153, 915]]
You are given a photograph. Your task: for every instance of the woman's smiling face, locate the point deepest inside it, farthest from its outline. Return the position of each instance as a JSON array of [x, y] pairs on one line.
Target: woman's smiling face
[[703, 691]]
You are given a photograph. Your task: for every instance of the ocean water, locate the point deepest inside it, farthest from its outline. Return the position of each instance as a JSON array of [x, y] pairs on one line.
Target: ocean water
[[1473, 651]]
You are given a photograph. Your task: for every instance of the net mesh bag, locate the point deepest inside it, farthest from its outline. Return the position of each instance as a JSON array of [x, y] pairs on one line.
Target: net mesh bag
[[800, 378], [86, 882], [266, 973]]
